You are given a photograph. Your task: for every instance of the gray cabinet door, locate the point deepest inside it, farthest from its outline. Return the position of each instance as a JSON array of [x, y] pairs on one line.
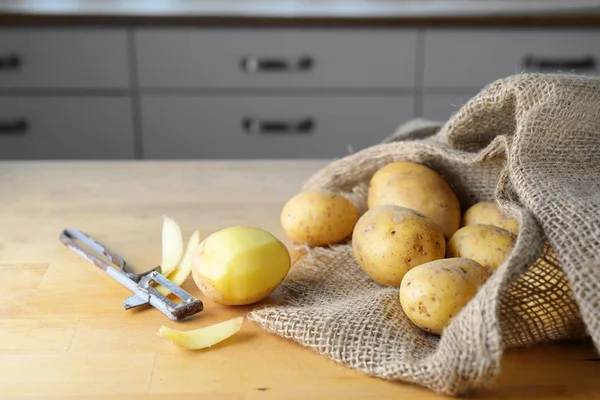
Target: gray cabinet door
[[65, 128], [440, 107], [268, 126], [63, 58], [472, 58], [276, 58]]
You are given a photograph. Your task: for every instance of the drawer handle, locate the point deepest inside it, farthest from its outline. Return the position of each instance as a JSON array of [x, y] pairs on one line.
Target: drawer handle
[[17, 126], [255, 126], [586, 63], [10, 62], [253, 64]]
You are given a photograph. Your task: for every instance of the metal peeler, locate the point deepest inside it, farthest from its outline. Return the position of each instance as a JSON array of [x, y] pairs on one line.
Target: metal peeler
[[140, 284]]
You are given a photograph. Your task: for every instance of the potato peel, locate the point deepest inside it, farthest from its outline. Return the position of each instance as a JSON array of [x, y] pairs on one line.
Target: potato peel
[[172, 246], [202, 337], [180, 274]]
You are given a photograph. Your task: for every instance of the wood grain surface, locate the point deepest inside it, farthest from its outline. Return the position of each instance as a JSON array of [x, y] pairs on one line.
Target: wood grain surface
[[64, 333]]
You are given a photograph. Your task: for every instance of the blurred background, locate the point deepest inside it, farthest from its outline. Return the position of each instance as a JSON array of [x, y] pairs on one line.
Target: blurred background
[[194, 79]]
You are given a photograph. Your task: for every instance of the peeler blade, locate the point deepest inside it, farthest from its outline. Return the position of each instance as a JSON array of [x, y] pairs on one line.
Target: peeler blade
[[135, 301]]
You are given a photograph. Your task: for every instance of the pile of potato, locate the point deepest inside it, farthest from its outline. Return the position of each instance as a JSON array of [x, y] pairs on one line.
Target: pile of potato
[[412, 237]]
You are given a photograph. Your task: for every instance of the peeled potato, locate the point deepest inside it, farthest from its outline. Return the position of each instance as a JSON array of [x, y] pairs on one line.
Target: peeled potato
[[202, 338], [240, 265], [419, 188], [486, 244], [317, 219], [432, 294], [390, 240], [488, 213]]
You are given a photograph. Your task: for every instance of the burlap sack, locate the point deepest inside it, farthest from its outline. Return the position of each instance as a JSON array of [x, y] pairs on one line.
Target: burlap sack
[[530, 142]]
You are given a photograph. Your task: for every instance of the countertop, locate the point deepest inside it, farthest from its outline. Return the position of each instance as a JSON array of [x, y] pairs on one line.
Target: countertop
[[301, 12], [64, 333]]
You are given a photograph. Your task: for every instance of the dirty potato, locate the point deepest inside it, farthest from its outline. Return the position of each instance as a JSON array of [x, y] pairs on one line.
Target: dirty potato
[[390, 240], [432, 294], [488, 213], [316, 218], [419, 188], [486, 244]]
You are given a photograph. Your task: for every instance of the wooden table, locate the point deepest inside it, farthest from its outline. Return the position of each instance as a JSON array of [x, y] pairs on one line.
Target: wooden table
[[64, 333]]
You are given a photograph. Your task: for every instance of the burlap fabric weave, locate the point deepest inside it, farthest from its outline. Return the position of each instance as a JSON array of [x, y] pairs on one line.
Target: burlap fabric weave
[[530, 142]]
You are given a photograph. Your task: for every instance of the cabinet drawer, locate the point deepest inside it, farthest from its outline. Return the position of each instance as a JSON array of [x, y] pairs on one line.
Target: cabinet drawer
[[474, 58], [267, 126], [440, 107], [65, 128], [276, 58], [63, 58]]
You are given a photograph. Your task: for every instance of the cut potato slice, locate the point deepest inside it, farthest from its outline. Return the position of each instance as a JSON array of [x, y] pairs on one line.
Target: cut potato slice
[[172, 246], [202, 337], [180, 274]]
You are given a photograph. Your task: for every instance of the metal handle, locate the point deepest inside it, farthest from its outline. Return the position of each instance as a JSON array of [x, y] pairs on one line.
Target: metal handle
[[92, 250], [10, 62], [586, 63], [16, 126], [255, 126], [254, 64]]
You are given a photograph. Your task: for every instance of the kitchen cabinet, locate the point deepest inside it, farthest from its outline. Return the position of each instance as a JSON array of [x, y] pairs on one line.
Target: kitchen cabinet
[[64, 94], [252, 92], [264, 59], [267, 126], [440, 107], [56, 127], [57, 58], [472, 58]]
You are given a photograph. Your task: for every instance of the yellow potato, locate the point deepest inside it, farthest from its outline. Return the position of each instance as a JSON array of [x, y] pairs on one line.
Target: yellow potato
[[390, 240], [488, 213], [318, 219], [486, 244], [240, 265], [419, 188], [432, 294]]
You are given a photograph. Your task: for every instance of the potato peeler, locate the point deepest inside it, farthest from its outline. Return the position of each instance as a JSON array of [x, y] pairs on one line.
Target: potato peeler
[[138, 283]]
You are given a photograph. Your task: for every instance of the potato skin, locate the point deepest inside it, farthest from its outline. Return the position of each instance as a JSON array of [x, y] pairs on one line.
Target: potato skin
[[316, 218], [486, 244], [419, 188], [434, 293], [488, 213], [390, 240]]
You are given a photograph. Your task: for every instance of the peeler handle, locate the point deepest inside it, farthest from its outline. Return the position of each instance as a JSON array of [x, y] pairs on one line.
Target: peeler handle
[[98, 254]]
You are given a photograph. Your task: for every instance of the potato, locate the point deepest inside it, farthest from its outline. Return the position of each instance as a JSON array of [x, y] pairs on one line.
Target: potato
[[316, 218], [419, 188], [486, 244], [390, 240], [488, 213], [434, 293], [240, 265]]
